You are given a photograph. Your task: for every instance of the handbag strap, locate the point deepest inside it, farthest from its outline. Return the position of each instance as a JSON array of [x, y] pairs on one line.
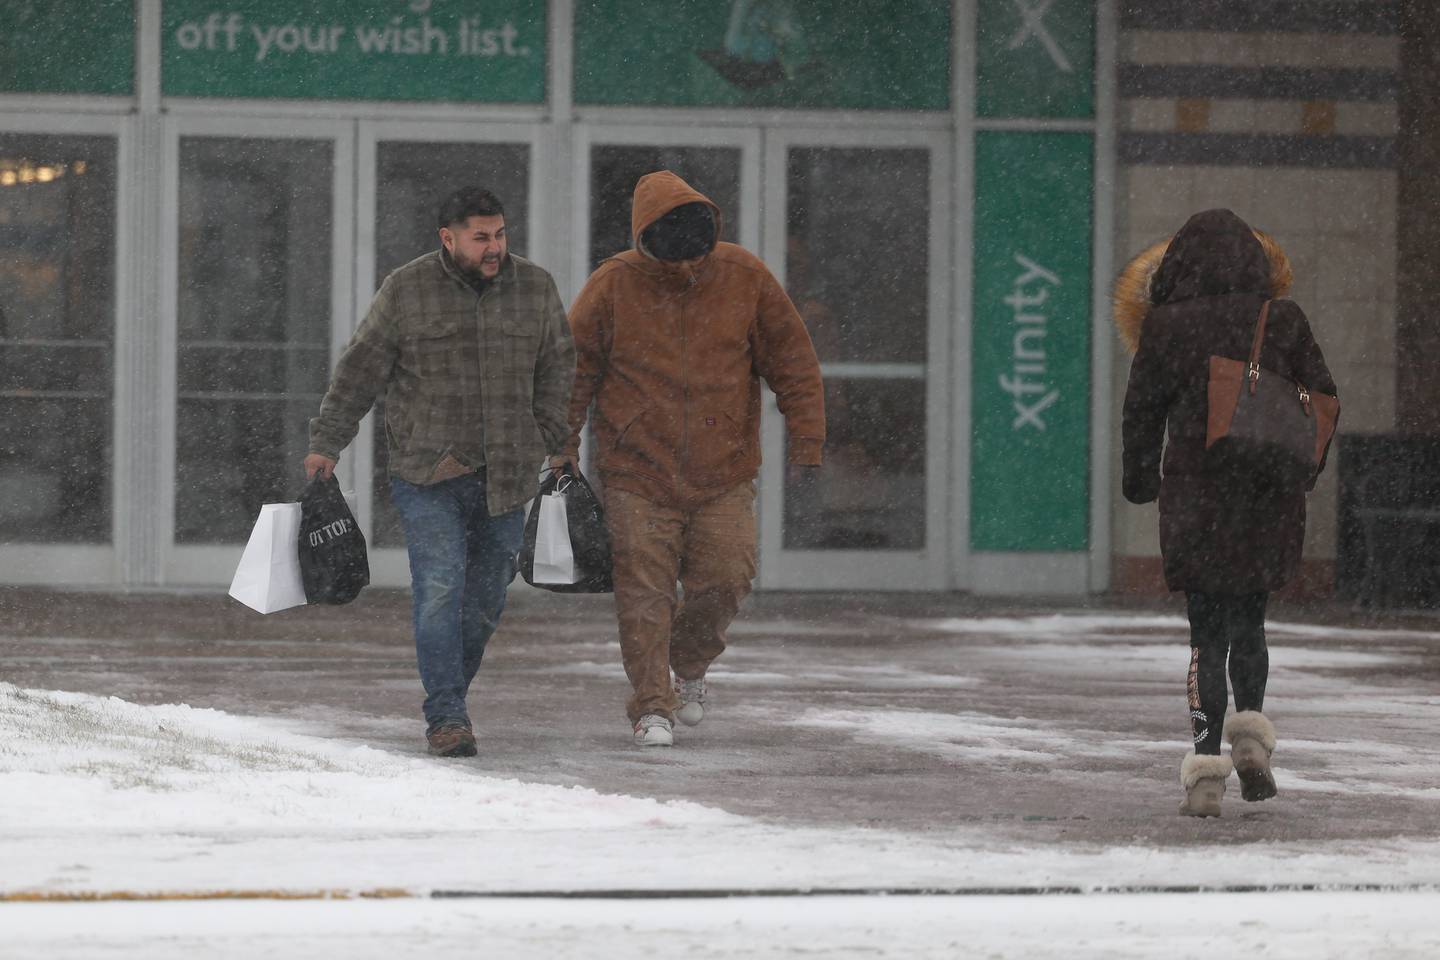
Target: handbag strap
[[1253, 370]]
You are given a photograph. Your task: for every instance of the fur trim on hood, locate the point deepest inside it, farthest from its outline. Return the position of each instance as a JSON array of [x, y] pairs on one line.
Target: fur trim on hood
[[1131, 292]]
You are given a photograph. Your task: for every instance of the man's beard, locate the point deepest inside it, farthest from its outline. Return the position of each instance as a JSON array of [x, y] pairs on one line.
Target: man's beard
[[472, 270]]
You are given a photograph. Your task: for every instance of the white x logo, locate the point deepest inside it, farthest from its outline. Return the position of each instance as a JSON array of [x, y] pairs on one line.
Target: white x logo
[[1034, 24], [1030, 413]]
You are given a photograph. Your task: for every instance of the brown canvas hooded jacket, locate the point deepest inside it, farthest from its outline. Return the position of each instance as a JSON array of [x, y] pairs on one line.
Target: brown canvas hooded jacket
[[672, 355]]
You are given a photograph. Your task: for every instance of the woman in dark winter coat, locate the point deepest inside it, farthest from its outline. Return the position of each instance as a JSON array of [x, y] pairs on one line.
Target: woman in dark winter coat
[[1228, 539]]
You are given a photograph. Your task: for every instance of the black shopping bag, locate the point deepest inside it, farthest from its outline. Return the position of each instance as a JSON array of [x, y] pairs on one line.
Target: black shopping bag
[[333, 562], [589, 538]]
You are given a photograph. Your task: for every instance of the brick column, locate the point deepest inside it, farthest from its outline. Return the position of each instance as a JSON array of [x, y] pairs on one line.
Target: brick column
[[1417, 149]]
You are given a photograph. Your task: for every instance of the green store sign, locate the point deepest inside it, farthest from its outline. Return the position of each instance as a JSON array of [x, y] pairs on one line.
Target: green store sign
[[1035, 58], [51, 46], [490, 51], [827, 54], [1030, 379]]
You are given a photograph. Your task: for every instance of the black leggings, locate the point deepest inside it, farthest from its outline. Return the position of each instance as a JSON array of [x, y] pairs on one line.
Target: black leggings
[[1224, 626]]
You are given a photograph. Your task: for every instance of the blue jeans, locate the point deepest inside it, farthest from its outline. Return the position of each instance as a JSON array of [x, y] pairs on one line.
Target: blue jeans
[[461, 561]]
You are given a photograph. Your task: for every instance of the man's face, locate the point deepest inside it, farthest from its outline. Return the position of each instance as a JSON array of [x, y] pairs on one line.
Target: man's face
[[477, 246]]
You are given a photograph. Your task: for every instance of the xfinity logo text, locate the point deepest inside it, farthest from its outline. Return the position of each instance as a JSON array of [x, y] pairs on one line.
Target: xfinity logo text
[[1026, 380]]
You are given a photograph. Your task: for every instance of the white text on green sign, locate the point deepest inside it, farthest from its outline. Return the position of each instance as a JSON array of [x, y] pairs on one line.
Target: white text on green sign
[[1026, 381]]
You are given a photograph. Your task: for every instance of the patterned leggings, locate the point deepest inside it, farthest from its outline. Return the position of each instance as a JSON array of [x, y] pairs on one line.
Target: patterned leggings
[[1224, 627]]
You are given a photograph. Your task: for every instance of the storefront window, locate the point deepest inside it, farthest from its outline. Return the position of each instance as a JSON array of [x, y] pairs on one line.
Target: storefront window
[[57, 323], [412, 178], [254, 313]]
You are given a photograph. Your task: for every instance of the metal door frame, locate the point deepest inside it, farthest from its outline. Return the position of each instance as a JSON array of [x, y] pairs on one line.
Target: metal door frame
[[211, 564], [98, 563], [390, 566], [928, 568]]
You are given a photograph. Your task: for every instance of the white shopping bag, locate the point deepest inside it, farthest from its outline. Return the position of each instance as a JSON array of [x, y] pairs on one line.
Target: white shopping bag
[[554, 561], [268, 578]]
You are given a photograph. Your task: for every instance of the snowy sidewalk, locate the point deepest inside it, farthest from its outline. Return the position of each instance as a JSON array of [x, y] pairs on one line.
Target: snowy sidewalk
[[1164, 927], [862, 745]]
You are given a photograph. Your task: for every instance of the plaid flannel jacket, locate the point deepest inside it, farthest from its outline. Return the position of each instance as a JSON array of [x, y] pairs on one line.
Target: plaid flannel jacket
[[479, 379]]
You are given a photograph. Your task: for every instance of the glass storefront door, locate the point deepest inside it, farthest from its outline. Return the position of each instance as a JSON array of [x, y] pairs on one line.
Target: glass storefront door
[[278, 233], [59, 200], [279, 236], [405, 171], [260, 281], [857, 228]]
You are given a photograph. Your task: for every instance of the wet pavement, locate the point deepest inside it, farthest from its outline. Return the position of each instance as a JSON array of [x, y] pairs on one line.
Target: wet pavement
[[1050, 722]]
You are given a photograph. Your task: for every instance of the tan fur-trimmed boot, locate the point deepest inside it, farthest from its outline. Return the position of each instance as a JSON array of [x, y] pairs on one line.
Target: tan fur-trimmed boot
[[1252, 741], [1203, 778]]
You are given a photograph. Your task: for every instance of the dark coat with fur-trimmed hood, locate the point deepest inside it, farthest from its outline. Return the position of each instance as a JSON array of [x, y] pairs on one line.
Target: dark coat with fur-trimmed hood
[[1176, 305]]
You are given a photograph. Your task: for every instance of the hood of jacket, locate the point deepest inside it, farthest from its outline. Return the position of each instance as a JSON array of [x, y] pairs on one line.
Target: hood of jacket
[[656, 194], [1214, 254]]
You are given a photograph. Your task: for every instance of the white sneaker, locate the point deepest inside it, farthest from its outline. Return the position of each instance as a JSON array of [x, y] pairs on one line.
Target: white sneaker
[[691, 694], [653, 730]]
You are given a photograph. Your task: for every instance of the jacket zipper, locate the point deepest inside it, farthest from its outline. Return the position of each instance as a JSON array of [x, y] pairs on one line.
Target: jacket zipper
[[684, 393], [480, 359]]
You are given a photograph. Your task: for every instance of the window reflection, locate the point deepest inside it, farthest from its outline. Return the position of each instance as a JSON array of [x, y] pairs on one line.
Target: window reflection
[[57, 320]]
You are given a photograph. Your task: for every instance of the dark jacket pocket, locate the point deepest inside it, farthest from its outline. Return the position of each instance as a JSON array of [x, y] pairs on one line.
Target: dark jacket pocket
[[521, 325], [625, 429], [436, 348], [433, 326]]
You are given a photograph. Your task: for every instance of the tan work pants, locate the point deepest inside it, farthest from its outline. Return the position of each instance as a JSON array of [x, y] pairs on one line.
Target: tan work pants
[[710, 550]]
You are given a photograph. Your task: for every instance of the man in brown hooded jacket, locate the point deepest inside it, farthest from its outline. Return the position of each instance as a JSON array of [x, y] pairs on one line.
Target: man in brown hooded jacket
[[672, 339]]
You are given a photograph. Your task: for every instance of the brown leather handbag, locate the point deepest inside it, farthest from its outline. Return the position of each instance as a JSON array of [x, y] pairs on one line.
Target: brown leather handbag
[[1264, 425]]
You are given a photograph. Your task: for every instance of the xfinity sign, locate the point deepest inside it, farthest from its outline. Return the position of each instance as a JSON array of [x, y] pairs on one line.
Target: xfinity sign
[[1030, 341]]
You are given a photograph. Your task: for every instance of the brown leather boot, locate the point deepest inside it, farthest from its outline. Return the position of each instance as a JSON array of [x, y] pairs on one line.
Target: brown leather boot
[[1203, 778], [1252, 741], [452, 741]]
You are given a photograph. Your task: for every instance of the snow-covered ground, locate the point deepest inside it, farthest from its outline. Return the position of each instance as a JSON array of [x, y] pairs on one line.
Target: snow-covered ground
[[104, 798], [1284, 926]]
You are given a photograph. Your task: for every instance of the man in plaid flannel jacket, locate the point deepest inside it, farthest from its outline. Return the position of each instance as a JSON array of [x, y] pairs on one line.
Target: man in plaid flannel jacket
[[470, 348]]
